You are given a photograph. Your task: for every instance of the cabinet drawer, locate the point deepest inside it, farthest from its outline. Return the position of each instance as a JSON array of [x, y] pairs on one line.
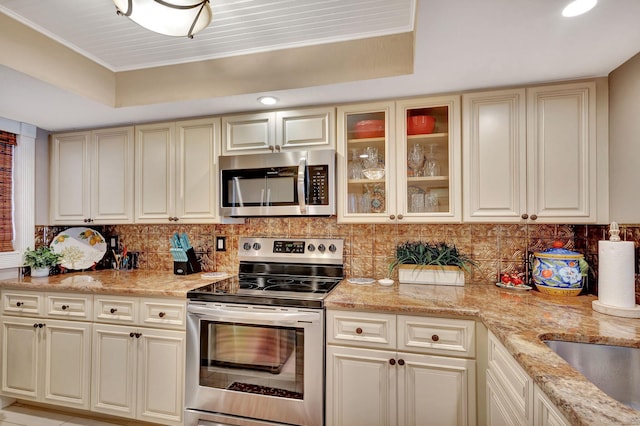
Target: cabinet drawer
[[163, 313], [116, 309], [511, 377], [69, 306], [16, 302], [361, 329], [441, 336]]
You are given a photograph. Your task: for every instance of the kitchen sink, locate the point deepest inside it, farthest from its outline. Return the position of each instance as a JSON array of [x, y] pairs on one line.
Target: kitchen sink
[[613, 369]]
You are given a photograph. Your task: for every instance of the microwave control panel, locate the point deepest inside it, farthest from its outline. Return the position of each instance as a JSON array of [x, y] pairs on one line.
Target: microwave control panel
[[318, 193]]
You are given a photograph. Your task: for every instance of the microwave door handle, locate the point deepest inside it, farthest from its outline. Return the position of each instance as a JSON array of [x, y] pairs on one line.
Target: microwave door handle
[[262, 197], [237, 193], [268, 196], [302, 168]]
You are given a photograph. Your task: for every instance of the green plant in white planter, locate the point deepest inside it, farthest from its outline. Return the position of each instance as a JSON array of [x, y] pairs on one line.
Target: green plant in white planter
[[430, 263], [41, 260]]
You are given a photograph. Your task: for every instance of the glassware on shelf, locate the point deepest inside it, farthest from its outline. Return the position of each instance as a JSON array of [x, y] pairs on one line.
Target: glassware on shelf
[[415, 160], [431, 202], [417, 203], [431, 166], [354, 167], [375, 195], [372, 163]]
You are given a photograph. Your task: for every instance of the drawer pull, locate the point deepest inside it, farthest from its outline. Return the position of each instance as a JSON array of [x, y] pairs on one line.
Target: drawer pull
[[65, 307], [392, 361], [161, 314], [18, 304], [358, 330], [113, 310], [435, 337], [401, 361]]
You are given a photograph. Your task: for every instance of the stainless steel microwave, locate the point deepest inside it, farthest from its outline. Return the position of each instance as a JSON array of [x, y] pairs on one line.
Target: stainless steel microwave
[[296, 183]]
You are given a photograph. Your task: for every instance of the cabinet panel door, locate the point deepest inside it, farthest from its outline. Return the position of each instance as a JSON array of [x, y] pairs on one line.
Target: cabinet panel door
[[155, 173], [561, 143], [67, 358], [112, 175], [160, 375], [20, 352], [304, 129], [196, 171], [361, 387], [70, 178], [248, 133], [499, 411], [436, 390], [114, 370], [494, 154]]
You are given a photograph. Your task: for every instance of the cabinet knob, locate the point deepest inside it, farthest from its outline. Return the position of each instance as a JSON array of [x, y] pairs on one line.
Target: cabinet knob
[[278, 148], [35, 325], [435, 337], [401, 361], [392, 361], [131, 334], [113, 310], [358, 330], [40, 325], [400, 217], [392, 217], [271, 148], [65, 307], [138, 335], [18, 304], [525, 216], [161, 314], [534, 217]]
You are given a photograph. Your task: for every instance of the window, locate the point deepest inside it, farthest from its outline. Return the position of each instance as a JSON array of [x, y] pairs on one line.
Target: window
[[23, 182], [7, 142]]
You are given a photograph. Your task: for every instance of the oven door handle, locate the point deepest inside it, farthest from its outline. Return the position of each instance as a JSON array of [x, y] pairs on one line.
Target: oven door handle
[[302, 170], [250, 316]]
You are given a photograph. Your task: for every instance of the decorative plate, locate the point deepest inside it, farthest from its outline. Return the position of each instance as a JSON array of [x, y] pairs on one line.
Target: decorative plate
[[81, 248], [361, 280], [521, 287]]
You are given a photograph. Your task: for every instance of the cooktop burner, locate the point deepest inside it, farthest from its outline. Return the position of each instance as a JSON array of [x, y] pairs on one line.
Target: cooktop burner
[[281, 272]]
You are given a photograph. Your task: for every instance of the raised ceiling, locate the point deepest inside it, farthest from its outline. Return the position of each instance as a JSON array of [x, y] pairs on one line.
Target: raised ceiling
[[459, 45]]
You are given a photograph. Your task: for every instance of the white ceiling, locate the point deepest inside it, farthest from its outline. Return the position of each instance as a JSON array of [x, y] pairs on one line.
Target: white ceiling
[[460, 45]]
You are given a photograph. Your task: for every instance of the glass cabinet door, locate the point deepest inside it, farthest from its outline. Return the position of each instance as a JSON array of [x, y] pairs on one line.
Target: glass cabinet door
[[429, 160], [365, 163]]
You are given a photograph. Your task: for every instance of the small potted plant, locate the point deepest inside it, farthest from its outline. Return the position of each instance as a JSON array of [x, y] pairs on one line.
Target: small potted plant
[[41, 260], [430, 263]]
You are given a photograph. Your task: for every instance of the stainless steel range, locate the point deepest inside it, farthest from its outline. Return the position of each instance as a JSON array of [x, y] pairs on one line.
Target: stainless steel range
[[255, 343]]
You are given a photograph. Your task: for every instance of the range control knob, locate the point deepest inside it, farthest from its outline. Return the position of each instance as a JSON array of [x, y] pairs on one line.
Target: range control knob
[[321, 248], [332, 248], [311, 247], [246, 246], [256, 246]]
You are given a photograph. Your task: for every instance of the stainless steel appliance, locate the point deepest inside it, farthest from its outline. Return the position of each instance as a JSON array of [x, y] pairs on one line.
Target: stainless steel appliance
[[255, 343], [296, 183]]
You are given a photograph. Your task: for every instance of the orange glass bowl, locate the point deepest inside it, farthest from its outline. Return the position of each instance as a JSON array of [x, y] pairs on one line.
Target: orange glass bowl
[[420, 124], [368, 129]]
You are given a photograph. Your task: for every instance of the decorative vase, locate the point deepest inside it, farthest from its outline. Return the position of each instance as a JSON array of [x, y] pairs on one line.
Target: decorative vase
[[430, 274], [40, 272]]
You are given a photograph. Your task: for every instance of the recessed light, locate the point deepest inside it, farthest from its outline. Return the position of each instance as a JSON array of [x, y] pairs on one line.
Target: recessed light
[[578, 7], [268, 100]]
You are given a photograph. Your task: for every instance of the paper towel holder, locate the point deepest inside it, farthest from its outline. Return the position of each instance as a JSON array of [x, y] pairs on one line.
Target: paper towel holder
[[632, 312]]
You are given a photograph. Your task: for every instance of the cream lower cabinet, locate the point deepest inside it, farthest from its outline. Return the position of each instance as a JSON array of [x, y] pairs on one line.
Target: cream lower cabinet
[[175, 173], [512, 397], [535, 154], [43, 359], [91, 177], [410, 380], [138, 373]]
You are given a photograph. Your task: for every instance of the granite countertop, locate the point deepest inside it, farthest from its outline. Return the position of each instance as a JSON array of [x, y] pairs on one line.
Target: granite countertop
[[518, 319], [107, 281]]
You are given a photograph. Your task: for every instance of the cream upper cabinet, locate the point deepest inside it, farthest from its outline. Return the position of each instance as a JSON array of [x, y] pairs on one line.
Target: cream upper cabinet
[[532, 154], [400, 161], [92, 177], [304, 129], [176, 172]]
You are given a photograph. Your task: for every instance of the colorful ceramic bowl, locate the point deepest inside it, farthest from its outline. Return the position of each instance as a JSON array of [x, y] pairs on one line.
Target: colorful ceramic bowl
[[557, 267], [555, 291], [420, 124]]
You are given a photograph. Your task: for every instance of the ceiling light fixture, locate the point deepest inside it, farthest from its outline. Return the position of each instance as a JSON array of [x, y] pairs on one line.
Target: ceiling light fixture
[[176, 18], [578, 7], [268, 100]]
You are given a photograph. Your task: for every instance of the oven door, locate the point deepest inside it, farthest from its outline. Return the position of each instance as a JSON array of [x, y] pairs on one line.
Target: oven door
[[258, 362]]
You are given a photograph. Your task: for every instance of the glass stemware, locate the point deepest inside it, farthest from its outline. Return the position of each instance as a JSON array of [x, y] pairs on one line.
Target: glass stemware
[[415, 160], [431, 167], [354, 168]]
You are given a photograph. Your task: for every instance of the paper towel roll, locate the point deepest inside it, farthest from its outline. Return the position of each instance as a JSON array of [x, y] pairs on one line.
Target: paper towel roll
[[616, 274]]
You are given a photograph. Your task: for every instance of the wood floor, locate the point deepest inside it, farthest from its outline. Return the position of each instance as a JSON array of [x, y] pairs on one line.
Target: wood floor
[[25, 415]]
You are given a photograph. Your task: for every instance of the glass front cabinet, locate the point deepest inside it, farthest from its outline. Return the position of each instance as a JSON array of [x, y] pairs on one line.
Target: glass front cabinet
[[399, 162]]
